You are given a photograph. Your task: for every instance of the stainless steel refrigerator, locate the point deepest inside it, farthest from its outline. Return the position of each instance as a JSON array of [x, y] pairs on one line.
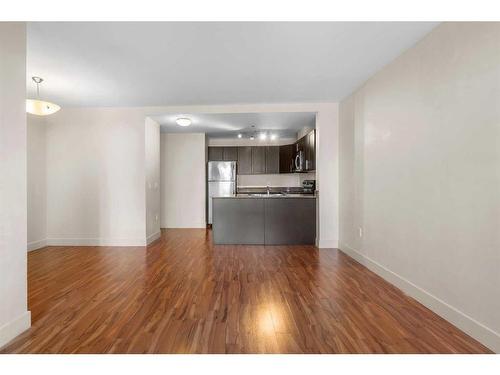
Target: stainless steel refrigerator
[[221, 181]]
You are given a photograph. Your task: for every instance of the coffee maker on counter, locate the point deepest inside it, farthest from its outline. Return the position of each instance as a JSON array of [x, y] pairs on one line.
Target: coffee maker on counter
[[308, 186]]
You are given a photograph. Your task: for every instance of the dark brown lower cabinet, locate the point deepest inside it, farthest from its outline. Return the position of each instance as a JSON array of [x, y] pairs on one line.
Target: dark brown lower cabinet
[[265, 221], [238, 221], [290, 221]]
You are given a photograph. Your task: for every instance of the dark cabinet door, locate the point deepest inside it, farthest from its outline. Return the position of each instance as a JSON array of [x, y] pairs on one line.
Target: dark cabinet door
[[238, 221], [230, 153], [258, 160], [286, 158], [300, 145], [311, 151], [272, 159], [215, 153], [307, 153], [244, 160], [289, 221]]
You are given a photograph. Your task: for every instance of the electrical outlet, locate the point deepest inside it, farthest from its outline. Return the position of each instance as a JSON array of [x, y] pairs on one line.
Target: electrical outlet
[[360, 231]]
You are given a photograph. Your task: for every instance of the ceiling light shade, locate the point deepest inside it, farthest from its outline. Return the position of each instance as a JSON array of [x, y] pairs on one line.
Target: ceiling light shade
[[273, 137], [40, 107], [239, 135], [263, 136], [183, 121], [252, 138]]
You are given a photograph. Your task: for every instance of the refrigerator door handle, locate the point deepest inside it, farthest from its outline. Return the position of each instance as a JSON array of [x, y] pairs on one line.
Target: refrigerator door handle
[[234, 178], [233, 166]]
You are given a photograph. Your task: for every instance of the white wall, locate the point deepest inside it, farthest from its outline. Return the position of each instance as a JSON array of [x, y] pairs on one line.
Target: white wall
[[183, 181], [96, 170], [152, 183], [14, 316], [327, 169], [37, 184], [420, 174], [96, 176]]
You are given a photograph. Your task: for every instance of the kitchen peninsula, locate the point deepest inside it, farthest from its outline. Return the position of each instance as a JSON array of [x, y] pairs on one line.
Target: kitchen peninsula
[[265, 219]]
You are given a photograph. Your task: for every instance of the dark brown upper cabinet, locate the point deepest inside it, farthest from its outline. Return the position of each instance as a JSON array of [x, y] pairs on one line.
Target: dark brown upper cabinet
[[268, 159], [307, 144], [286, 158], [222, 153], [244, 160], [310, 151], [300, 145], [258, 160], [272, 159], [215, 153], [230, 153]]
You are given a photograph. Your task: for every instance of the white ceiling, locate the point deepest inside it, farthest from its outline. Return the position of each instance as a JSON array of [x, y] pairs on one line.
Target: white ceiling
[[173, 63], [228, 125]]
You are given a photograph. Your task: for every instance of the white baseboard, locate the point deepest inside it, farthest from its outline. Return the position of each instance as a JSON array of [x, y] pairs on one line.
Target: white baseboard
[[469, 325], [14, 328], [153, 237], [96, 242], [34, 245], [328, 244], [192, 226]]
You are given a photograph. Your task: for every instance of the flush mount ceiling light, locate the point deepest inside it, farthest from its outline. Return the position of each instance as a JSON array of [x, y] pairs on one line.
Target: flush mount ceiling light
[[39, 107], [183, 121], [252, 137], [273, 137], [263, 136], [239, 135]]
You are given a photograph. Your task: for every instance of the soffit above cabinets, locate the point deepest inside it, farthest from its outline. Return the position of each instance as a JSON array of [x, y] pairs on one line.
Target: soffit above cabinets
[[283, 125]]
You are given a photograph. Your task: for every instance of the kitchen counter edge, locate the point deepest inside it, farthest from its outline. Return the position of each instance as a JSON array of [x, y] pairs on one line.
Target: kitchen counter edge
[[271, 196]]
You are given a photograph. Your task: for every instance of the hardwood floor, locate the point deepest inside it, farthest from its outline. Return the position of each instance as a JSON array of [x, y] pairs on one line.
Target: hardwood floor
[[184, 295]]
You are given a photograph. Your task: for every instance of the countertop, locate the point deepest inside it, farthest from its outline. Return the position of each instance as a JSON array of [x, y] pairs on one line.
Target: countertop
[[270, 196], [272, 189]]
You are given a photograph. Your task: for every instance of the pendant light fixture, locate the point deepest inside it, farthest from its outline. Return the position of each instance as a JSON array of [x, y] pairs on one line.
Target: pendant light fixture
[[40, 107]]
